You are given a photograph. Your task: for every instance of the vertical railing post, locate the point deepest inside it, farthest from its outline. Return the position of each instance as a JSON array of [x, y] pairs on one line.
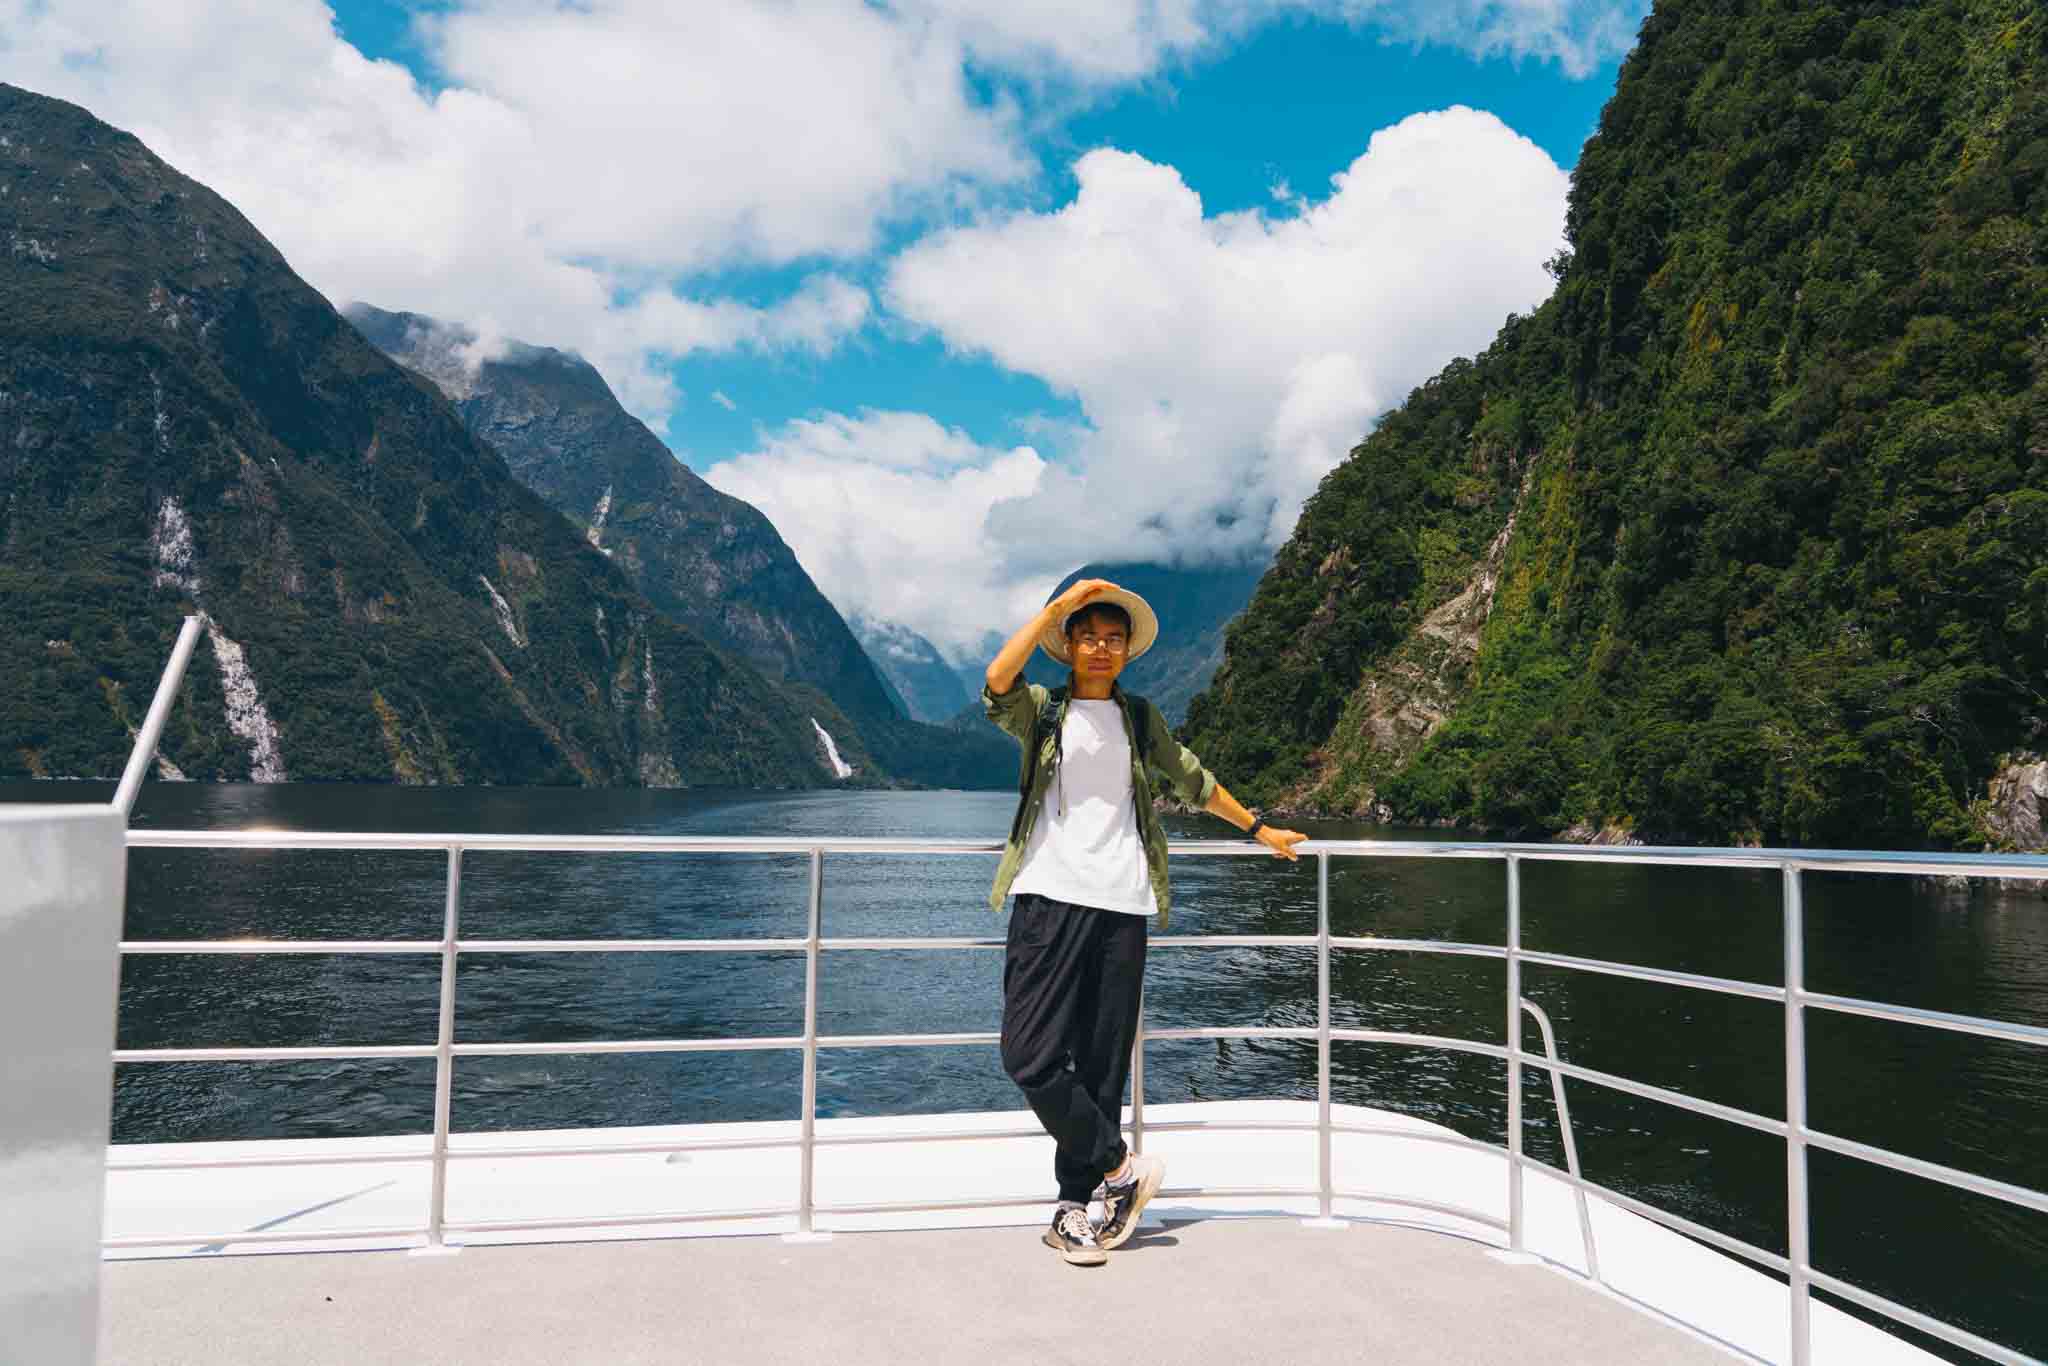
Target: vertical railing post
[[1138, 1080], [1325, 1176], [444, 1054], [806, 1198], [1517, 1230], [1797, 1251]]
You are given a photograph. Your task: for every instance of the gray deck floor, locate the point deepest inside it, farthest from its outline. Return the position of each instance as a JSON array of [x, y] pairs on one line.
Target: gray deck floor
[[1235, 1291]]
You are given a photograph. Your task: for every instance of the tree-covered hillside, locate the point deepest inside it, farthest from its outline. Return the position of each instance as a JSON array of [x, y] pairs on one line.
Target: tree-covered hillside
[[1775, 454]]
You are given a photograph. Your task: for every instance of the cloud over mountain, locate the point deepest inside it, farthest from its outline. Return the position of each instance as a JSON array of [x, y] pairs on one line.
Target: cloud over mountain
[[1223, 364], [886, 511], [578, 167], [570, 172], [641, 182]]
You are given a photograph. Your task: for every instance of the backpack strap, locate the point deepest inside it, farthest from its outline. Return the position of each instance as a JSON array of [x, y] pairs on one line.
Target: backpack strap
[[1047, 718], [1141, 722]]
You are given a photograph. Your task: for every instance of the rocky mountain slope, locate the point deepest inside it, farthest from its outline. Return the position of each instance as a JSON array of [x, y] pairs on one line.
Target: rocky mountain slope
[[702, 557], [185, 424], [1742, 535], [707, 559], [919, 677]]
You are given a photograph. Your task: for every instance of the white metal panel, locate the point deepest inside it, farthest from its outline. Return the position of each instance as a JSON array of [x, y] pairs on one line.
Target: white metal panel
[[62, 873]]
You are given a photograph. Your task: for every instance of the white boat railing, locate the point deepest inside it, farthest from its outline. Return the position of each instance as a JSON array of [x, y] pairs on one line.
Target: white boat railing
[[1798, 1136]]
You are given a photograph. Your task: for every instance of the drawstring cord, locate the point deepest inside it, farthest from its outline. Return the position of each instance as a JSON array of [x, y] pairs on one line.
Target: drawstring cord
[[1059, 749]]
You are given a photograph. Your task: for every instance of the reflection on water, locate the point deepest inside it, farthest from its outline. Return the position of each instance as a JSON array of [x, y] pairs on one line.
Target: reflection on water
[[1978, 1104]]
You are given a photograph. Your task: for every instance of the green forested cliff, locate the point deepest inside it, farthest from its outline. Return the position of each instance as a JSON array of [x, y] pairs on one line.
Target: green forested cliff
[[185, 425], [1743, 534]]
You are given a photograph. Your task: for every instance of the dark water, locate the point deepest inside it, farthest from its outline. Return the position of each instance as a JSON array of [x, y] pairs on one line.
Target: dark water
[[1977, 1104]]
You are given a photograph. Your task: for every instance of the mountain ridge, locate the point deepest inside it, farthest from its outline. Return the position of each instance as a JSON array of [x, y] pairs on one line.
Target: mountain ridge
[[187, 424], [713, 562]]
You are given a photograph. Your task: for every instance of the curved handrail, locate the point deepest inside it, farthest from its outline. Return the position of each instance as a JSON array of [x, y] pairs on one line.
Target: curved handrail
[[1571, 1147], [1791, 864]]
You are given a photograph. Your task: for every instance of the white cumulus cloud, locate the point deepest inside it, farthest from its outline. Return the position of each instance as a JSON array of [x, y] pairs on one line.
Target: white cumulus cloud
[[1107, 41], [579, 168], [1577, 34], [579, 165], [885, 510], [1225, 363]]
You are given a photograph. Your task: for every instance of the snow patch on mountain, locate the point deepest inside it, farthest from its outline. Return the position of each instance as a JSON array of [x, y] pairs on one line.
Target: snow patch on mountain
[[916, 672]]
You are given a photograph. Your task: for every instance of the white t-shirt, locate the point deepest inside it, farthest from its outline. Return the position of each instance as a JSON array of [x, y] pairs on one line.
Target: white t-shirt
[[1085, 848]]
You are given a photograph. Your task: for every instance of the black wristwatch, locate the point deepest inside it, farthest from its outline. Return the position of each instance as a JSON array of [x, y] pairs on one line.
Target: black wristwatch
[[1252, 830]]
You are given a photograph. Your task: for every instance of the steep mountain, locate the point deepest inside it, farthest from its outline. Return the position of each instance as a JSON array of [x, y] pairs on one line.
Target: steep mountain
[[184, 424], [707, 559], [1742, 535], [919, 677], [704, 558]]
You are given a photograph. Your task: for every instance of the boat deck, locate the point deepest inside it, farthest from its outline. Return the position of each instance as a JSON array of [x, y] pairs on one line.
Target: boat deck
[[308, 1261], [1220, 1289]]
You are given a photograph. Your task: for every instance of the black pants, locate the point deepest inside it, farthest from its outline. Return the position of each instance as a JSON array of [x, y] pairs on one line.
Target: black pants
[[1072, 976]]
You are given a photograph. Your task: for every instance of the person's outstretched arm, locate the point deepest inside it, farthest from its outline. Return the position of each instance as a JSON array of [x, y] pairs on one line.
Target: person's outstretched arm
[[1197, 786], [1221, 804]]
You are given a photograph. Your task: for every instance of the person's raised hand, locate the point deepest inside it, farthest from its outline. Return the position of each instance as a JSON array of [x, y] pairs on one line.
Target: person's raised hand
[[1281, 842], [1067, 603]]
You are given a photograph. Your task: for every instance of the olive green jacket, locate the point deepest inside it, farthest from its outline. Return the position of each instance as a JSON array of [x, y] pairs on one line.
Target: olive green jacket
[[1017, 712]]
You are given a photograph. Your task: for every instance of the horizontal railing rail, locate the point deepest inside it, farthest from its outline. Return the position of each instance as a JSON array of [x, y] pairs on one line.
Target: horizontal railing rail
[[1791, 865]]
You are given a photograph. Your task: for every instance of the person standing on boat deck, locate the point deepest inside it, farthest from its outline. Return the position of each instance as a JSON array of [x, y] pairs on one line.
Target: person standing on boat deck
[[1086, 860]]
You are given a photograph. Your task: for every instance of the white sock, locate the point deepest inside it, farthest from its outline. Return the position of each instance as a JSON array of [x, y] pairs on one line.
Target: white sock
[[1121, 1176]]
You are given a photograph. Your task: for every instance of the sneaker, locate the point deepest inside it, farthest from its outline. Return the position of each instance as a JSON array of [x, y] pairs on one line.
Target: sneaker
[[1123, 1203], [1073, 1237]]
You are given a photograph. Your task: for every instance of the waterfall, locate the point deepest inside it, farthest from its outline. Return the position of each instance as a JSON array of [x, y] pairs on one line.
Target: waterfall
[[504, 613], [840, 768], [172, 550], [246, 716], [604, 510]]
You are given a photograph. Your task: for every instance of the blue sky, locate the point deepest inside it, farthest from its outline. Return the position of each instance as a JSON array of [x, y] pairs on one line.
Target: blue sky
[[1290, 104], [960, 293]]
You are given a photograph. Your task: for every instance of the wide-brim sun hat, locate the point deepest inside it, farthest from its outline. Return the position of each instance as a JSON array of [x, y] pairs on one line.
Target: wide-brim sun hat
[[1144, 625]]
